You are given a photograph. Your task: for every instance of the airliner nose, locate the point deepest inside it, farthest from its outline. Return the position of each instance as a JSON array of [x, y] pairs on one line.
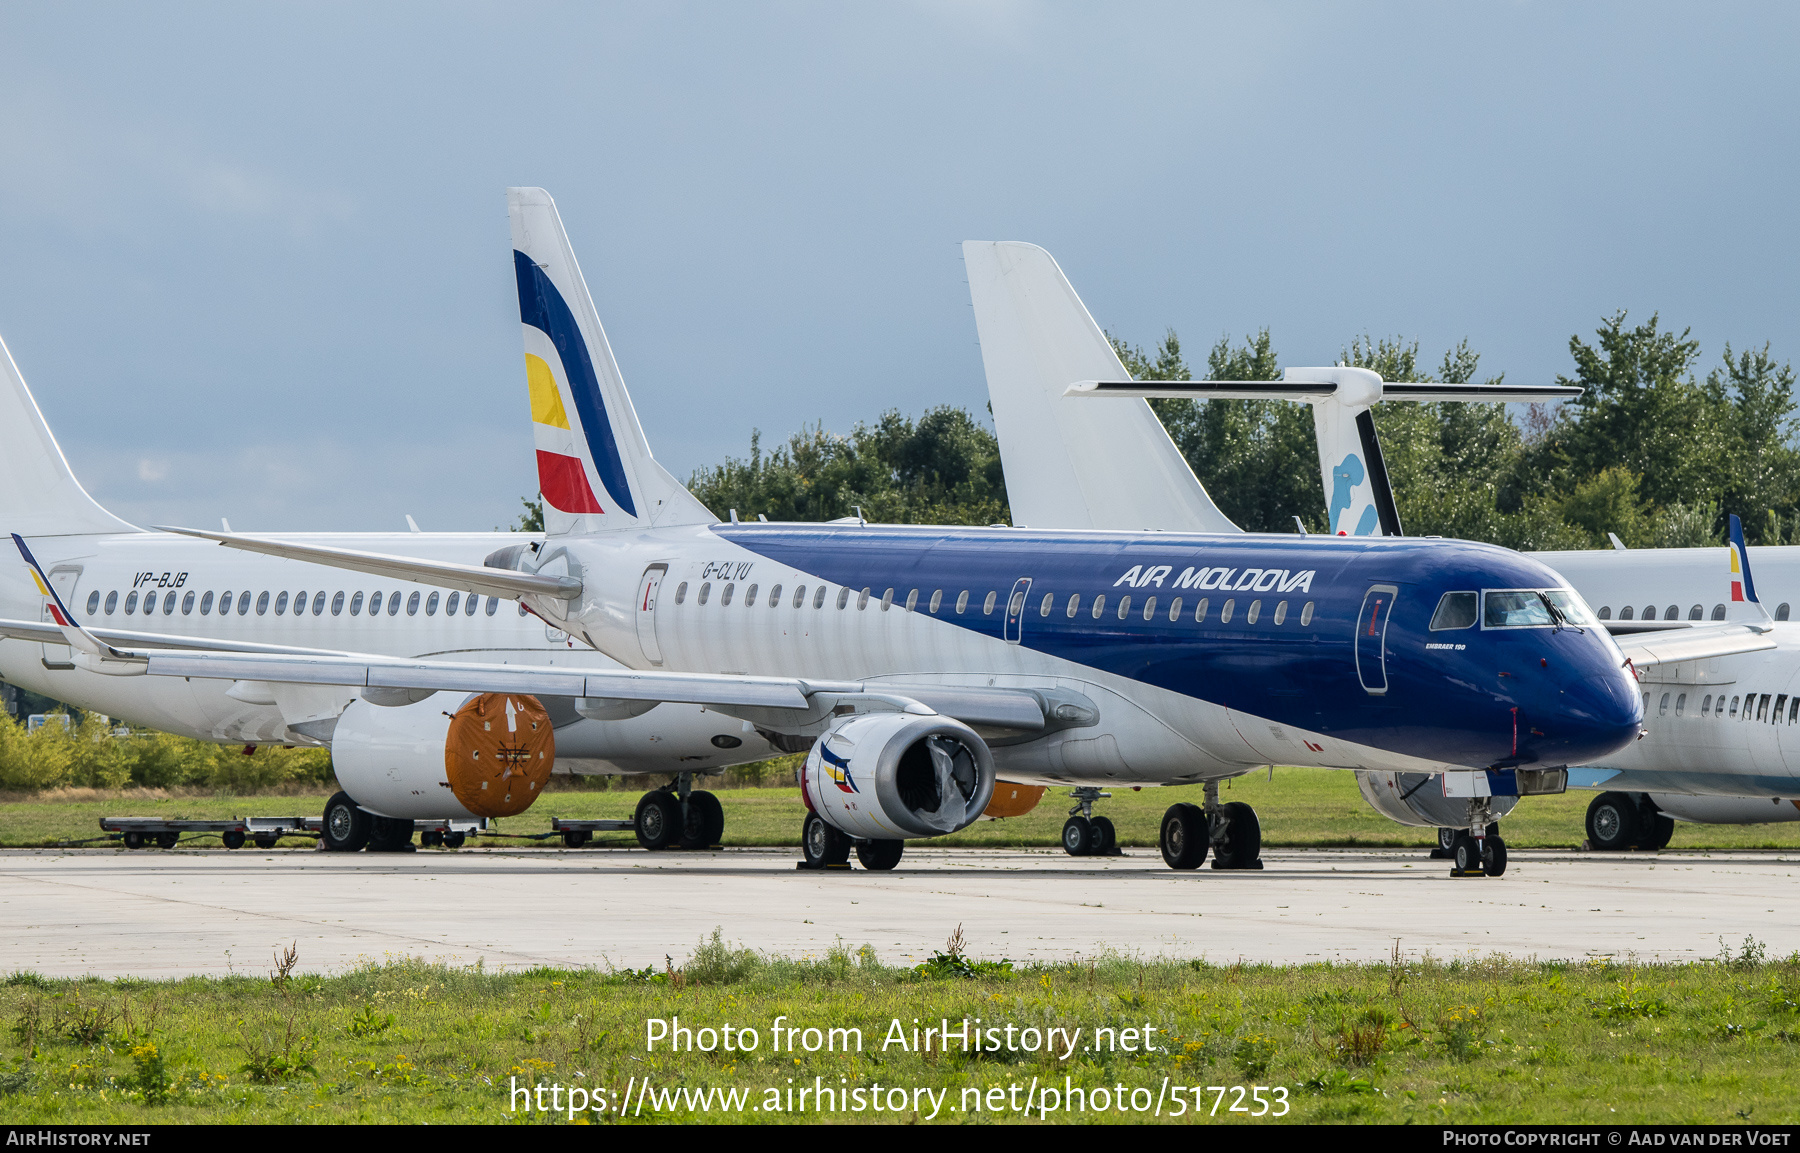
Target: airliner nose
[[1602, 714]]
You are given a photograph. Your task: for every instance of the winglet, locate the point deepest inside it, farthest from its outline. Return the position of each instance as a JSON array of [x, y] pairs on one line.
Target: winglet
[[1743, 586], [79, 638]]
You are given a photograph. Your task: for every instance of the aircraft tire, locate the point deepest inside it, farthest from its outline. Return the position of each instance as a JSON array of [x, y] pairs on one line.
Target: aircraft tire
[[1243, 839], [1493, 857], [1104, 837], [823, 843], [390, 835], [1467, 857], [1077, 835], [1612, 822], [658, 820], [1183, 838], [346, 825], [879, 856], [705, 821]]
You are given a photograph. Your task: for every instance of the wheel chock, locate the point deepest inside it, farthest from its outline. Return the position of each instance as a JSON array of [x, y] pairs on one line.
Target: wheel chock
[[806, 867], [1468, 872]]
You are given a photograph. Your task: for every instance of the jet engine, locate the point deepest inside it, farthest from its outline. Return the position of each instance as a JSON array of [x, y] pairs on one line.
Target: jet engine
[[890, 776], [490, 758], [1418, 799]]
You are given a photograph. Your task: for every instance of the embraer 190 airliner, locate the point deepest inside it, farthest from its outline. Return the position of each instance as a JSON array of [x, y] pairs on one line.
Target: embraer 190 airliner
[[923, 662]]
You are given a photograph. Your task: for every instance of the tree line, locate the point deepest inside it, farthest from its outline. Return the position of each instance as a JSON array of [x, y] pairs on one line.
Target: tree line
[[1651, 450]]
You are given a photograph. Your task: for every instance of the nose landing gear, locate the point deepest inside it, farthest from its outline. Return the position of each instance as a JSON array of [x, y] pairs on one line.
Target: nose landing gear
[[1477, 851], [1085, 835]]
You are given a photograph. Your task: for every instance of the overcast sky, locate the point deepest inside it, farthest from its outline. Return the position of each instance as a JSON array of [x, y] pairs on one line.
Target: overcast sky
[[254, 259]]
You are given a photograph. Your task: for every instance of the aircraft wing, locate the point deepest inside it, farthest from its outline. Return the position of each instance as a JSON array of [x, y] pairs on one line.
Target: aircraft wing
[[1692, 644], [508, 584], [52, 634], [1308, 389]]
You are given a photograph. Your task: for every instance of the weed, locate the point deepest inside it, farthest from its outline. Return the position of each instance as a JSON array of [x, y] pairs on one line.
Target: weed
[[1339, 1081], [1360, 1041], [1752, 955], [285, 960], [25, 979], [17, 1079], [950, 962], [716, 963], [1626, 1002], [83, 1023], [1463, 1031], [270, 1062], [150, 1074], [368, 1024], [1253, 1054], [28, 1025]]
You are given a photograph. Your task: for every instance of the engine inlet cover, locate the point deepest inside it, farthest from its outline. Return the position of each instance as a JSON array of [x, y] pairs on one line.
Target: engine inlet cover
[[498, 753], [890, 776]]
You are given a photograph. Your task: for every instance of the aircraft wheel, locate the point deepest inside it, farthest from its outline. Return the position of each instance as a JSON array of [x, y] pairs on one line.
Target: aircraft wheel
[[233, 838], [823, 843], [1654, 827], [346, 826], [658, 820], [1612, 822], [390, 835], [705, 821], [1493, 857], [1184, 836], [1467, 856], [879, 856], [1077, 836], [1103, 838], [1243, 839]]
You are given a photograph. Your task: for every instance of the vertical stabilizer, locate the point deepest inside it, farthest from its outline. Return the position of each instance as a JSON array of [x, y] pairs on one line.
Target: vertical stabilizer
[[1744, 607], [1358, 499], [39, 495], [595, 470], [1071, 464]]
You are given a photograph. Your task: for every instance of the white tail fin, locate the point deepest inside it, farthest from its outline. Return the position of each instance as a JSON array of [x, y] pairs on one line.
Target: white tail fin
[[595, 470], [39, 495], [1071, 465]]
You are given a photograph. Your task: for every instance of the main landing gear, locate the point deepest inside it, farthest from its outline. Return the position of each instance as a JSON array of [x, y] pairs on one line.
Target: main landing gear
[[1230, 832], [1619, 821], [348, 827], [825, 846], [679, 814], [1084, 834]]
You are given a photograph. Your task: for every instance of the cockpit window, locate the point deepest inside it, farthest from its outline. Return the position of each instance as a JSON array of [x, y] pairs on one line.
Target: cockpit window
[[1534, 609], [1454, 611]]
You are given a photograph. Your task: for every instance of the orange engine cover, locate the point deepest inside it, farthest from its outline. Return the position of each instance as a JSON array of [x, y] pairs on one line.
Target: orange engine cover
[[1012, 800], [498, 754]]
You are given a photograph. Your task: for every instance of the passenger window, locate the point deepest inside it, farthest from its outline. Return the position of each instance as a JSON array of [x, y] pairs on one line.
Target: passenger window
[[412, 604], [1672, 613], [1794, 710], [206, 603], [1200, 611], [1662, 706], [862, 600], [1762, 708], [337, 604], [819, 598], [1281, 613], [93, 605], [225, 603], [281, 603], [962, 602], [1696, 613], [262, 603], [1627, 613], [844, 599], [374, 603], [912, 600], [319, 603], [1149, 607], [725, 593], [492, 604], [1606, 612], [1718, 612], [1175, 610], [243, 603], [987, 606], [750, 596], [1255, 611], [469, 605], [1781, 612], [431, 604], [1074, 606], [451, 604], [775, 597], [1734, 706], [1649, 613], [887, 600], [1455, 611], [112, 601], [937, 599], [1780, 705], [1706, 705], [1045, 605], [1306, 614], [1099, 605], [150, 603], [187, 605], [705, 590], [799, 596], [1225, 611], [1124, 605], [356, 604]]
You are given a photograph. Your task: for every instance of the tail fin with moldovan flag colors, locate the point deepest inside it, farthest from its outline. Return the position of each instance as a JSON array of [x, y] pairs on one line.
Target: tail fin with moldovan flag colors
[[1743, 606], [93, 651], [595, 469]]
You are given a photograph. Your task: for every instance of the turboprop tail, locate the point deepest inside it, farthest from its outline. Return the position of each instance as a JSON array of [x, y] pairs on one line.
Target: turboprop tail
[[595, 469], [39, 495]]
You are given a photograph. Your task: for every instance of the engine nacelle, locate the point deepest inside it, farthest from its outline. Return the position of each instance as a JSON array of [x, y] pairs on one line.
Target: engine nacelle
[[1418, 799], [890, 776], [1727, 810], [491, 759]]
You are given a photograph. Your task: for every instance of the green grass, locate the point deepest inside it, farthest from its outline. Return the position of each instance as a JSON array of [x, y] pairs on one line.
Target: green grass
[[1493, 1041], [1299, 807]]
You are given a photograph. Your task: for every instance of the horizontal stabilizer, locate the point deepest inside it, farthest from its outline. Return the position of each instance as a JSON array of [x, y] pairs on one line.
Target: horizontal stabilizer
[[508, 584], [1309, 389], [1677, 645]]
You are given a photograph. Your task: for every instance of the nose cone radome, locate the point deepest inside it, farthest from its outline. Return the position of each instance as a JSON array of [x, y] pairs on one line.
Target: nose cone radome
[[1602, 713]]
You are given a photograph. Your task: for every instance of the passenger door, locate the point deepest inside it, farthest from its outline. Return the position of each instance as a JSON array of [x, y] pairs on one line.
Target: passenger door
[[1371, 637], [1015, 610], [646, 612]]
